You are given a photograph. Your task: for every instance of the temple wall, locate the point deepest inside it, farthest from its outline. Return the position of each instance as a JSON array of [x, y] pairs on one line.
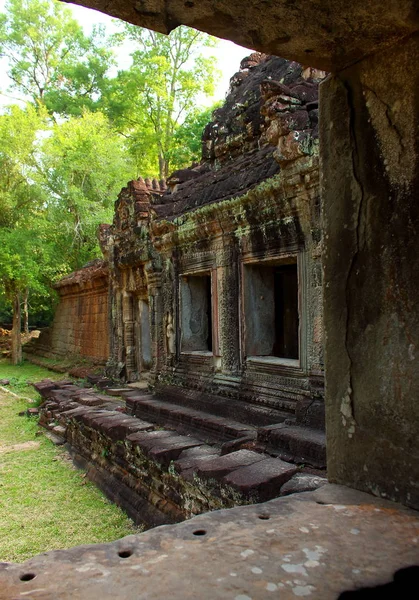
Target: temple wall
[[81, 322], [369, 146], [279, 224], [196, 250]]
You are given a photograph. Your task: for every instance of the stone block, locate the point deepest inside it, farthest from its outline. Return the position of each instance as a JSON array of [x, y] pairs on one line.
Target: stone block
[[119, 429], [302, 482], [303, 444], [90, 400], [76, 413], [60, 394], [147, 439], [45, 387], [104, 383], [59, 430], [218, 467], [190, 459], [172, 448], [236, 444], [261, 481], [115, 391], [93, 379], [99, 418]]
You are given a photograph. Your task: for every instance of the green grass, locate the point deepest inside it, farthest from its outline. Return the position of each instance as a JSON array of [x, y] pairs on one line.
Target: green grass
[[44, 502], [22, 376]]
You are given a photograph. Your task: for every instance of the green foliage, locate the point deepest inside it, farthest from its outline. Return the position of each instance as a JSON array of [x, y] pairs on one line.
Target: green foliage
[[187, 139], [19, 197], [163, 85], [50, 60], [84, 164], [82, 135]]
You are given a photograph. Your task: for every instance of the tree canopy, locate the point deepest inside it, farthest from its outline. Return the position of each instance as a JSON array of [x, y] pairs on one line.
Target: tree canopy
[[49, 58], [83, 166], [81, 130], [167, 76]]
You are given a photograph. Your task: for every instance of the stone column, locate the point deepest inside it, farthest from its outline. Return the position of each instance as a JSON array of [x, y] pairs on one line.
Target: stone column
[[129, 336], [228, 306], [370, 150], [156, 321]]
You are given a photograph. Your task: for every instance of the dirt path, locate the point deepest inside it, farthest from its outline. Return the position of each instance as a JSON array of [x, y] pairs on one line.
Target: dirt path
[[14, 447]]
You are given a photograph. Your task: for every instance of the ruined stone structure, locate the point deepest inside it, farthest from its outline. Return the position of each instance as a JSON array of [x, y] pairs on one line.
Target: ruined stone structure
[[216, 307], [370, 170], [216, 280], [80, 329], [370, 174]]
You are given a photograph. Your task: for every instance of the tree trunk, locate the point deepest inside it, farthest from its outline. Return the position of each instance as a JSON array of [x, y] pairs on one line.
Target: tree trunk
[[17, 324], [163, 167], [25, 311]]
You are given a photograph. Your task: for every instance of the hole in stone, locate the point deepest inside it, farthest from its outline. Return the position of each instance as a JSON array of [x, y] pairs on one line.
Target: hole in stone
[[308, 50], [189, 4], [200, 532], [27, 576], [264, 517], [125, 553]]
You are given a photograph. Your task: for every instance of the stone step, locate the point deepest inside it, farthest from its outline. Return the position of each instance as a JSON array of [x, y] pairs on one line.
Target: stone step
[[257, 477], [173, 471], [253, 413], [297, 444], [207, 426]]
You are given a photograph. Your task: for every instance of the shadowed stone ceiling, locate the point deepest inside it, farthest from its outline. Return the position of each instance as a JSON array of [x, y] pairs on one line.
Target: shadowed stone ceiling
[[328, 34]]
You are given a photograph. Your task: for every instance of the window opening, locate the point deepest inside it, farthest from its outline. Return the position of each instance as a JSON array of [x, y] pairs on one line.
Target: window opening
[[286, 311], [271, 310], [196, 313]]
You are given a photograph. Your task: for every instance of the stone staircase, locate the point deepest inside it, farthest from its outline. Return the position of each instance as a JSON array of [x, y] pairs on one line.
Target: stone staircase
[[161, 461], [206, 425]]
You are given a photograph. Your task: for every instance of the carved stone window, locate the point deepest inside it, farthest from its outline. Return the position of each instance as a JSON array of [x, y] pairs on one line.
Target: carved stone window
[[196, 313], [271, 310]]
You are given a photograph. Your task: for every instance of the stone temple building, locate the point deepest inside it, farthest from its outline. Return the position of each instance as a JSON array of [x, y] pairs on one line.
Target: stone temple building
[[214, 277], [369, 175]]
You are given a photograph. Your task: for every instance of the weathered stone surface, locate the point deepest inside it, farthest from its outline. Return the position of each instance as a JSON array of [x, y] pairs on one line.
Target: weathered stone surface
[[370, 177], [57, 440], [284, 548], [328, 35], [115, 391], [304, 444], [45, 387], [80, 327], [171, 448], [160, 411], [261, 480], [217, 468], [302, 482], [236, 444], [90, 400]]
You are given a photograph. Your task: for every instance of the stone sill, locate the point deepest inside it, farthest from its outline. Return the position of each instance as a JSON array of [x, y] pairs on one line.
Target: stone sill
[[274, 360], [197, 353], [274, 365]]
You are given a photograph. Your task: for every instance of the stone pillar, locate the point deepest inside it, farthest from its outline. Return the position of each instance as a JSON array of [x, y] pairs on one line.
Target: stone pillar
[[369, 149], [228, 306], [157, 332], [129, 336]]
